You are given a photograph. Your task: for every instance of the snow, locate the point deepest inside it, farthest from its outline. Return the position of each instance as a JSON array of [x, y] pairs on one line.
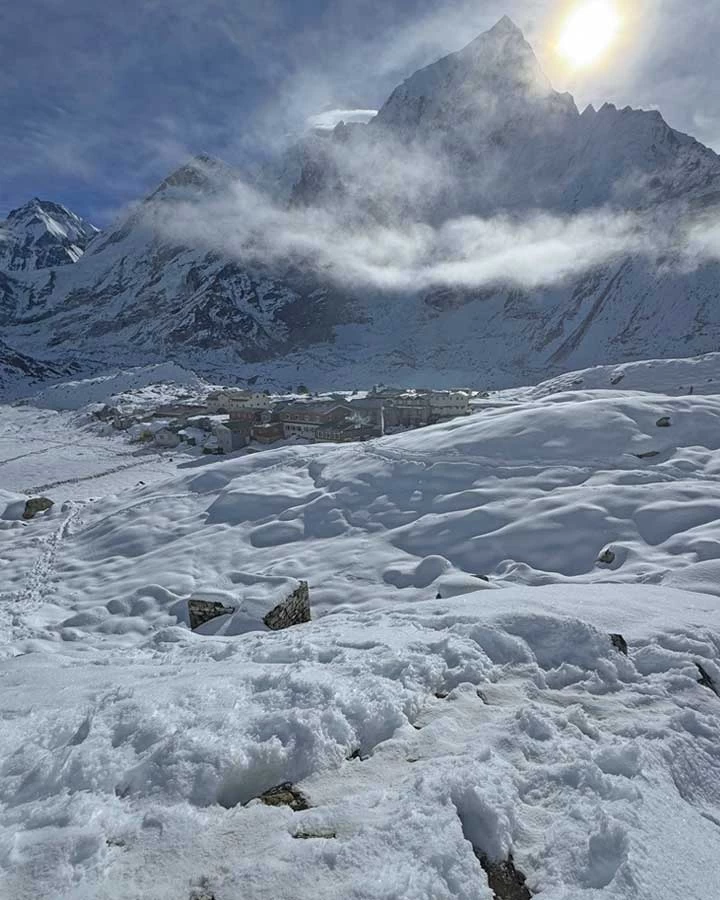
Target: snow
[[104, 388], [457, 688]]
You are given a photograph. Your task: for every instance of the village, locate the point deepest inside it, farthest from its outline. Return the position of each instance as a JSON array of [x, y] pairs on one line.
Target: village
[[228, 420]]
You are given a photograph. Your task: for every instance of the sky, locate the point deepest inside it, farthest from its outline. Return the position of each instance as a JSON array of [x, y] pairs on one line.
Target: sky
[[99, 102]]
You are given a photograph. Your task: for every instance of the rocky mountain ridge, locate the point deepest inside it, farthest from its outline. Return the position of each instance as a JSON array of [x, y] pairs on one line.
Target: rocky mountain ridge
[[479, 133]]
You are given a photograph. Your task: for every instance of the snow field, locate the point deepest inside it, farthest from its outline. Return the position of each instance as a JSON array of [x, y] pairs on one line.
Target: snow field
[[425, 712]]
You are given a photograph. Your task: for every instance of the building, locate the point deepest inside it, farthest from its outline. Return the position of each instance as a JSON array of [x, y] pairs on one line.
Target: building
[[166, 438], [268, 433], [448, 404], [304, 419], [409, 410], [229, 440], [345, 434], [227, 401]]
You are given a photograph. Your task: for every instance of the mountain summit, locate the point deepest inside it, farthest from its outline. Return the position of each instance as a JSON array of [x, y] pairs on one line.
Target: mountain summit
[[42, 234], [479, 137]]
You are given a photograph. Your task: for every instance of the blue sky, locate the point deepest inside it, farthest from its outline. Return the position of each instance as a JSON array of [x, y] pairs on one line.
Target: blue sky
[[99, 101]]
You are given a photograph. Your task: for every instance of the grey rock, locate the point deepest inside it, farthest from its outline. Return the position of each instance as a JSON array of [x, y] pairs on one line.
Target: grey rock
[[619, 643], [294, 610], [649, 455], [706, 681], [607, 557], [324, 833], [285, 794], [36, 505], [664, 422], [202, 611]]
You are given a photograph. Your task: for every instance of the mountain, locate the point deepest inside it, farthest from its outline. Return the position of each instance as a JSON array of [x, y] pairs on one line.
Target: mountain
[[42, 235], [222, 275], [16, 368]]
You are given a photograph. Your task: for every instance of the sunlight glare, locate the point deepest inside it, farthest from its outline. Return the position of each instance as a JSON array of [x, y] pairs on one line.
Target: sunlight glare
[[590, 29]]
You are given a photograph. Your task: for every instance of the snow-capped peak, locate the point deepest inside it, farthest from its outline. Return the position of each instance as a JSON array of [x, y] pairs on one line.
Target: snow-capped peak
[[484, 83], [42, 234]]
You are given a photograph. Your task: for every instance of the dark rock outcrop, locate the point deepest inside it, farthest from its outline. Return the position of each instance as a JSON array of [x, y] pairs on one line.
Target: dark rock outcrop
[[202, 611], [505, 881], [36, 505], [294, 610], [706, 681], [619, 643], [285, 794]]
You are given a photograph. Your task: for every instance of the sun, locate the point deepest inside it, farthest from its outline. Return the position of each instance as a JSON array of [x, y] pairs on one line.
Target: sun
[[589, 31]]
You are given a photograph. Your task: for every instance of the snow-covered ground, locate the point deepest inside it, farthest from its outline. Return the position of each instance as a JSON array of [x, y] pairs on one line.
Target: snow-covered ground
[[457, 693]]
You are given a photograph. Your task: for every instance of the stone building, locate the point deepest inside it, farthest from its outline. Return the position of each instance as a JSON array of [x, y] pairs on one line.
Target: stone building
[[304, 419]]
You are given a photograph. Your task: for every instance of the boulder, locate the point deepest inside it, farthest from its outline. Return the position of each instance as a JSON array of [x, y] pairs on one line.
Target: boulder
[[36, 505], [285, 795], [202, 611], [664, 422], [505, 881], [706, 681], [294, 610], [619, 643], [607, 557]]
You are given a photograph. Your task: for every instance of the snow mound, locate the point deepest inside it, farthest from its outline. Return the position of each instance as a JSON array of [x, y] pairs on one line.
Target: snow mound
[[694, 375], [504, 722], [73, 395]]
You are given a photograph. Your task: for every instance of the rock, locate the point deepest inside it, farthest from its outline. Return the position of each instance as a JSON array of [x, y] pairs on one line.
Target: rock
[[285, 795], [619, 643], [324, 833], [617, 379], [481, 577], [294, 610], [438, 596], [607, 557], [202, 611], [36, 505], [505, 881], [664, 422], [706, 681], [648, 455]]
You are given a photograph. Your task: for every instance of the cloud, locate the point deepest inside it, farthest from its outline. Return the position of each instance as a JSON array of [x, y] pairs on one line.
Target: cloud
[[529, 251], [326, 121]]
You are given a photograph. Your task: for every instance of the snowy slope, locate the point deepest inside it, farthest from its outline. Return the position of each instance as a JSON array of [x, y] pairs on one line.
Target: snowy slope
[[428, 715]]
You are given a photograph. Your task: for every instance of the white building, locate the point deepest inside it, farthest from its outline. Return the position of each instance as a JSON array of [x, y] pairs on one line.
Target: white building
[[229, 400], [448, 404]]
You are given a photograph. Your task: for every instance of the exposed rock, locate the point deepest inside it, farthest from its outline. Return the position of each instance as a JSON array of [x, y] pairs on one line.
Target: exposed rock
[[619, 643], [607, 557], [481, 577], [706, 681], [36, 505], [285, 795], [664, 422], [506, 882], [294, 610], [617, 379], [648, 455], [202, 611], [324, 833]]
